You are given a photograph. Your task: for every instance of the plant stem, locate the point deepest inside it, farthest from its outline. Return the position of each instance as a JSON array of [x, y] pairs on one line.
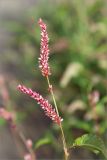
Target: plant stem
[[61, 128], [17, 131], [23, 139], [30, 150]]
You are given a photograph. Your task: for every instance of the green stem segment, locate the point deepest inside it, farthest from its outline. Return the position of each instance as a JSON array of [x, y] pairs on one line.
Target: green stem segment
[[61, 128]]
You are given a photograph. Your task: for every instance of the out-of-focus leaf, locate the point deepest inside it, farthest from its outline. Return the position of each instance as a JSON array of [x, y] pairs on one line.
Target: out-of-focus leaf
[[13, 26], [2, 122], [103, 127], [76, 105], [89, 115], [103, 63], [104, 100], [42, 142], [100, 110], [92, 142], [72, 70], [21, 116], [77, 123]]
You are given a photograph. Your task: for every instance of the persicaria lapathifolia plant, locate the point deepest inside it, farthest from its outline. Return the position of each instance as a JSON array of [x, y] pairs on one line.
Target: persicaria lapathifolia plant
[[88, 140], [50, 111]]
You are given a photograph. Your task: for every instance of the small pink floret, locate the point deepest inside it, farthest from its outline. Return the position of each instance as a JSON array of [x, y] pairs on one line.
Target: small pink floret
[[27, 157], [29, 143]]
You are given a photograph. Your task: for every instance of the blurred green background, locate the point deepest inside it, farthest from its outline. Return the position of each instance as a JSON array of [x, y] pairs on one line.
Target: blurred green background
[[78, 60]]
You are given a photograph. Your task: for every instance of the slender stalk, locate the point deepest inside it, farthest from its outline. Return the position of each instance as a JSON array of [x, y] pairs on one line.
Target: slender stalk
[[23, 139], [17, 129], [30, 150], [61, 128]]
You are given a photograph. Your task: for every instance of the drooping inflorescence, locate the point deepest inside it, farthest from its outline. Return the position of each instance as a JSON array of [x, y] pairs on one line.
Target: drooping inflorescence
[[44, 50], [49, 111]]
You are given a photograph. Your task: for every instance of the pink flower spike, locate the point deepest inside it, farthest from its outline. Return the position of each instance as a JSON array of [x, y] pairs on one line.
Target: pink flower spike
[[44, 50], [49, 111]]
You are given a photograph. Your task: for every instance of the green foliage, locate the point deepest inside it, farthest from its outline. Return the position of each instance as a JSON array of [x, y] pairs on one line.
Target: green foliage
[[2, 122], [41, 142], [91, 142], [78, 46]]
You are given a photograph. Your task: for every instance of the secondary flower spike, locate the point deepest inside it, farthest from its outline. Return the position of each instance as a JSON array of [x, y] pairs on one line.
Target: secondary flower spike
[[49, 111], [44, 50]]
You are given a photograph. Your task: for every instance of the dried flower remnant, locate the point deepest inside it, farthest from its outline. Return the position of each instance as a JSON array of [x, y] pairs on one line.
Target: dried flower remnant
[[49, 111], [44, 50]]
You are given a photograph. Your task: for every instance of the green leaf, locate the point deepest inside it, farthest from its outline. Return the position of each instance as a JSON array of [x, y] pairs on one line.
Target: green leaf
[[2, 121], [92, 142], [42, 142]]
